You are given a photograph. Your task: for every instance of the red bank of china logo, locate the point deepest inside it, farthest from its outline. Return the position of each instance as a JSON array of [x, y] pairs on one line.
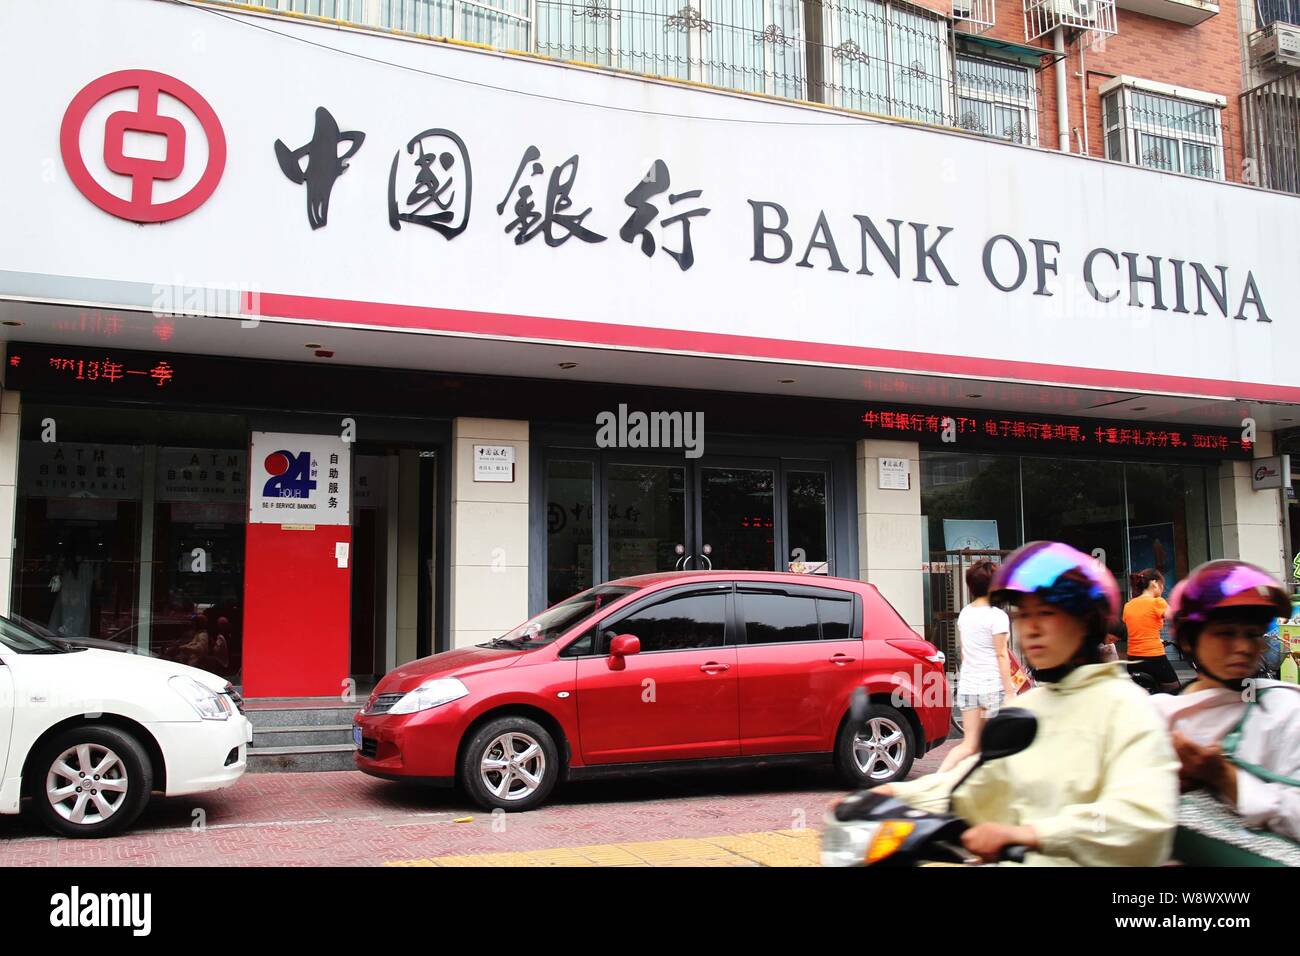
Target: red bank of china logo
[[291, 475], [144, 173]]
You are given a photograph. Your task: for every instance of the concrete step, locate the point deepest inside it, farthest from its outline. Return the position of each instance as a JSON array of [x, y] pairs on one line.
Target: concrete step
[[264, 714], [304, 758], [302, 735]]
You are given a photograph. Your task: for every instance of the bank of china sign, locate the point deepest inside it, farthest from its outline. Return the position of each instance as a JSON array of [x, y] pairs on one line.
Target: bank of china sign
[[368, 183]]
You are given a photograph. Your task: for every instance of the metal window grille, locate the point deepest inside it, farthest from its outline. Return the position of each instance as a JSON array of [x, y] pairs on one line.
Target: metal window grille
[[1163, 132], [1091, 16], [974, 16], [1271, 119], [997, 99]]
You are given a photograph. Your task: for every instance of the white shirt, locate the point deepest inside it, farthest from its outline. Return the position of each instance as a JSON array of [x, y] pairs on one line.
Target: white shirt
[[1270, 739], [976, 625]]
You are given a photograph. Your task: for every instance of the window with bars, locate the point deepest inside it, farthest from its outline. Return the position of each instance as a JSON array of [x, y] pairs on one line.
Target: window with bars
[[997, 99], [884, 58], [1164, 132]]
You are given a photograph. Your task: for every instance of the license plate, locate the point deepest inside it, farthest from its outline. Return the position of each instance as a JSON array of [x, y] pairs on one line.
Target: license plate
[[356, 737]]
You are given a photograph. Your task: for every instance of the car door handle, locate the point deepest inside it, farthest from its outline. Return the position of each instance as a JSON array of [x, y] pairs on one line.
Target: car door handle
[[713, 667], [842, 659]]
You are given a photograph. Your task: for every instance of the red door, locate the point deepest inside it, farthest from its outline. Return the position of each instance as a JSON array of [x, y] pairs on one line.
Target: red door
[[798, 666], [296, 611], [677, 699]]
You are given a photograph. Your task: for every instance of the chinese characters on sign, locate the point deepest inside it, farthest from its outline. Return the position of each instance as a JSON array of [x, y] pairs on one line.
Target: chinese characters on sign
[[655, 182], [72, 470], [324, 163], [299, 479], [986, 429], [434, 189], [494, 462], [528, 221], [434, 201], [107, 370]]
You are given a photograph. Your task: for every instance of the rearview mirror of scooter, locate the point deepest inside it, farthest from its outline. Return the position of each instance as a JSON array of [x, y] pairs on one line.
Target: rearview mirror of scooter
[[1008, 732]]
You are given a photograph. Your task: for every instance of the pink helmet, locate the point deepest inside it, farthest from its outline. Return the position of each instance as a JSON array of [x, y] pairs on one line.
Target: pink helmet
[[1224, 584], [1060, 575]]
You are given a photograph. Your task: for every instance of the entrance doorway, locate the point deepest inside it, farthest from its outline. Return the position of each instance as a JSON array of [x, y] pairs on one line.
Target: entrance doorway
[[612, 514], [394, 528]]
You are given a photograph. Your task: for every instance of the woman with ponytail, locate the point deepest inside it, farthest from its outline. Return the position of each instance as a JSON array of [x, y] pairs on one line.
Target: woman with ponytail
[[1143, 618]]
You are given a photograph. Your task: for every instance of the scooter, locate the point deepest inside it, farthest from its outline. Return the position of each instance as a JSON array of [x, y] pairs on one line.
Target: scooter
[[869, 829]]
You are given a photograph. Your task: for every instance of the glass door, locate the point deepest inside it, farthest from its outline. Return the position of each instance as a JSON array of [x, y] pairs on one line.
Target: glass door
[[645, 517], [736, 517], [616, 514]]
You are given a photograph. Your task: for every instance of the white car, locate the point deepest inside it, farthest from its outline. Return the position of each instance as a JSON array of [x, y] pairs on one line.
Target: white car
[[88, 735]]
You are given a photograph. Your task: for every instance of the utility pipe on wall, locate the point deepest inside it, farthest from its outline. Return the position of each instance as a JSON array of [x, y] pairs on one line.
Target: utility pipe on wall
[[1062, 104]]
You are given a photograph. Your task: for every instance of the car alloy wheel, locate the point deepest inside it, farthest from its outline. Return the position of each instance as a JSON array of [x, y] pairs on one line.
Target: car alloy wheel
[[879, 748], [513, 766], [87, 784]]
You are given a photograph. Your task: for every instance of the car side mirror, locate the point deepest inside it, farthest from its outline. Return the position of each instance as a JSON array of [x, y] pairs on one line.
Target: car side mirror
[[619, 647]]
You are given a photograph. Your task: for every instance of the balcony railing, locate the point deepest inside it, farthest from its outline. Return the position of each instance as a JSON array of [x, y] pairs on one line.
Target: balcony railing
[[877, 57], [1271, 119]]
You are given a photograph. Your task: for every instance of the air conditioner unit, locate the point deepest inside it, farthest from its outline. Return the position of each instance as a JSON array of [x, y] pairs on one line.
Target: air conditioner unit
[[1076, 11], [1278, 45]]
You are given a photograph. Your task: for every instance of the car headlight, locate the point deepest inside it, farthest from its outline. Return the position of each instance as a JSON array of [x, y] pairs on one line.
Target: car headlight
[[431, 693], [207, 703]]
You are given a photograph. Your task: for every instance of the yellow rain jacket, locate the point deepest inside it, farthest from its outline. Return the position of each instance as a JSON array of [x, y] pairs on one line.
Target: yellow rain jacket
[[1099, 784]]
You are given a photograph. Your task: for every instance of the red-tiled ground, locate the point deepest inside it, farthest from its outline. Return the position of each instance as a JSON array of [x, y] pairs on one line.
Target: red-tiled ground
[[349, 819]]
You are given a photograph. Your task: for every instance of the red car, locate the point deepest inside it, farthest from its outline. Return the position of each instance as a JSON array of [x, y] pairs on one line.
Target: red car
[[671, 671]]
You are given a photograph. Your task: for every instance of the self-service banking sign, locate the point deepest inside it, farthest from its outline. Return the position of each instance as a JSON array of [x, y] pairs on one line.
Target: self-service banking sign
[[299, 479], [297, 575]]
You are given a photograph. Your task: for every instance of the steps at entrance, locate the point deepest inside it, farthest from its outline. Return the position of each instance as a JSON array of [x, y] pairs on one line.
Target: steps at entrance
[[301, 735]]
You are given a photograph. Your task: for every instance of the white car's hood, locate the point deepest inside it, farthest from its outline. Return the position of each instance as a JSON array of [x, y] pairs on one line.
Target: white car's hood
[[115, 662]]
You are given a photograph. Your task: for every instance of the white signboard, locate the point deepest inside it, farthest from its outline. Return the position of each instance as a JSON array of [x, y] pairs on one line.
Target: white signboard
[[895, 474], [494, 462], [299, 479], [802, 235], [201, 474], [76, 470], [1268, 473]]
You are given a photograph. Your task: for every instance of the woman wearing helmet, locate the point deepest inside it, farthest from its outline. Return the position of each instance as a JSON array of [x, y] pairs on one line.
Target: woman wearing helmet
[[1099, 785], [1236, 735]]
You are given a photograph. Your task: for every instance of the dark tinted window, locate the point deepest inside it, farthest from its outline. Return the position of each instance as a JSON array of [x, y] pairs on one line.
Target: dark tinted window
[[837, 619], [779, 618], [676, 623]]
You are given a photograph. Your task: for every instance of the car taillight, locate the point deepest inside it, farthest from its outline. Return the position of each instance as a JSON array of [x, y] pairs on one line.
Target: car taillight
[[923, 650]]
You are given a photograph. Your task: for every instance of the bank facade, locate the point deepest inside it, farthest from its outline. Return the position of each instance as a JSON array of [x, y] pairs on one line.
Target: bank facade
[[326, 348]]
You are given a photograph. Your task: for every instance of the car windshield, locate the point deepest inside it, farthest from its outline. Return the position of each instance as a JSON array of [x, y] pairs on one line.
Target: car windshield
[[14, 637], [558, 620]]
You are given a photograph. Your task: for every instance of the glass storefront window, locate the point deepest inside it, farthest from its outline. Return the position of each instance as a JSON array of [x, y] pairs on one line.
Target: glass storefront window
[[1139, 514], [1079, 502], [1167, 527], [970, 501], [131, 529]]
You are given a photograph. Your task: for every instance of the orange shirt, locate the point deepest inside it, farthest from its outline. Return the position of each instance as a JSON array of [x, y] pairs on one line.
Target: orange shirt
[[1143, 617]]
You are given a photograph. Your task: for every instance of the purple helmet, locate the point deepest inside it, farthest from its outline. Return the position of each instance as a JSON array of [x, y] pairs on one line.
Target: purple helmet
[[1060, 575], [1224, 584]]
